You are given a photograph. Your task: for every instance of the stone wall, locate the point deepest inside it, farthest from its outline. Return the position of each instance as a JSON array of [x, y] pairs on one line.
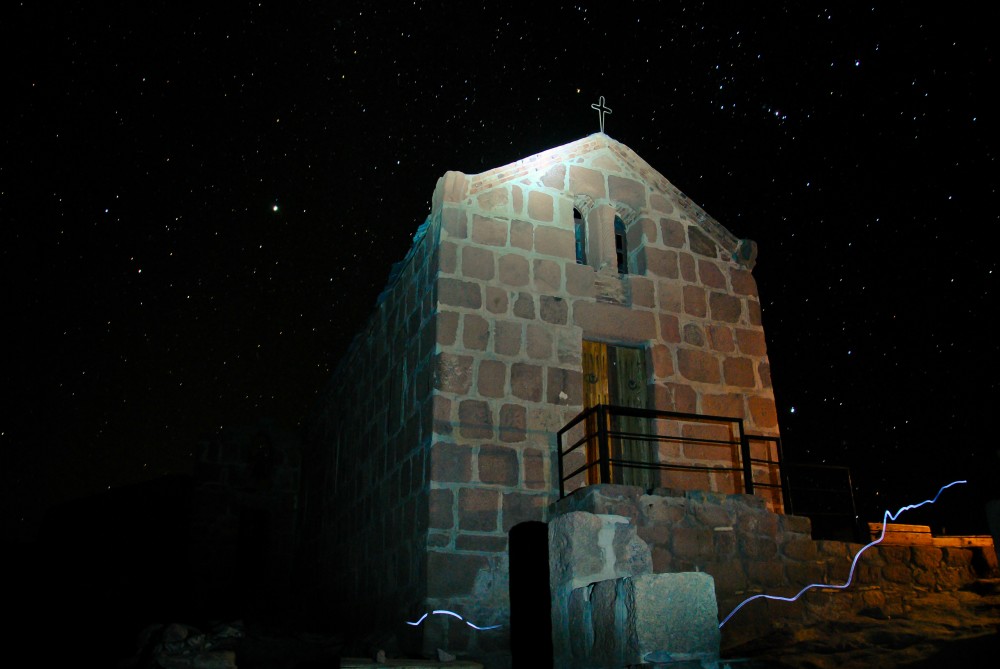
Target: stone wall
[[513, 309], [366, 460], [436, 434], [750, 550]]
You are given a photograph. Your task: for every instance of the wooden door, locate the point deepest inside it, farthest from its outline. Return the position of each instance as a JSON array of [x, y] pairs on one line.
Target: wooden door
[[617, 375], [627, 386], [595, 391]]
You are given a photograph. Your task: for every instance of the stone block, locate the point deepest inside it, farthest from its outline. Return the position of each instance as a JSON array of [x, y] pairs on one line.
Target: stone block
[[514, 269], [478, 263], [507, 338], [497, 300], [524, 306], [453, 373], [657, 262], [492, 199], [489, 231], [475, 419], [451, 463], [555, 177], [492, 378], [522, 235], [475, 332], [725, 308], [580, 280], [447, 327], [763, 412], [540, 206], [548, 276], [672, 232], [738, 372], [743, 282], [751, 342], [655, 618], [694, 301], [698, 366], [539, 342], [526, 381], [554, 310], [533, 477], [455, 223], [498, 464], [800, 548], [478, 509], [796, 524], [701, 243], [687, 265], [458, 293], [557, 242], [441, 511], [586, 547], [627, 191], [614, 322], [513, 423], [711, 275], [564, 387], [585, 181]]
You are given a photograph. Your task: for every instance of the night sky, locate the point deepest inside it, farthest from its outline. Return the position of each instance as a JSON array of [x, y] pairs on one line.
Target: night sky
[[200, 206]]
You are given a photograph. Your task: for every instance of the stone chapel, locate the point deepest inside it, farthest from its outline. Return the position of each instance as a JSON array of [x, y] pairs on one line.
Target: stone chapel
[[568, 319]]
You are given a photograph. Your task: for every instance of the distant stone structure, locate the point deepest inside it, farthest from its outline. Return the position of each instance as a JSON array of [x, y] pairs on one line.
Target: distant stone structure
[[573, 278]]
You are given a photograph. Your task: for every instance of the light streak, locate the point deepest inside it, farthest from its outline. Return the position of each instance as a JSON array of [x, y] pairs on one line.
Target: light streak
[[445, 612], [885, 518]]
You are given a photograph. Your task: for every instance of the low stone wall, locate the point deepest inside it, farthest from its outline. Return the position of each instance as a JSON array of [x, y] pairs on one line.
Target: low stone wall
[[750, 550]]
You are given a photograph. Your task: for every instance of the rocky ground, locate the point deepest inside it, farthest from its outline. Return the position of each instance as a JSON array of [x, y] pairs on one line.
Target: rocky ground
[[939, 630]]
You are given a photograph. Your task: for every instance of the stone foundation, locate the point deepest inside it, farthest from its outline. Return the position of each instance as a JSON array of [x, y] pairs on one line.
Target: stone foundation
[[608, 610], [749, 550]]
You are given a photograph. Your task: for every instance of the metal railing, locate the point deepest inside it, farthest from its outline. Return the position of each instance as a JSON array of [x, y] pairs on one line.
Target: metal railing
[[604, 428], [822, 493], [825, 495]]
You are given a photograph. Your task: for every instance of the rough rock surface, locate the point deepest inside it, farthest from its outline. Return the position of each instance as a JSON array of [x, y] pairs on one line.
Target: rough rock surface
[[947, 629]]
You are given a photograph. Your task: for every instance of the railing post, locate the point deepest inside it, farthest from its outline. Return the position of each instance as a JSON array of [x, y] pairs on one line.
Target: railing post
[[559, 460], [603, 452], [745, 457]]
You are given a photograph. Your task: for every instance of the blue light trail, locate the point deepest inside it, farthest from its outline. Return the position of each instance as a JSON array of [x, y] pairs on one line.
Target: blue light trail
[[885, 518], [445, 612]]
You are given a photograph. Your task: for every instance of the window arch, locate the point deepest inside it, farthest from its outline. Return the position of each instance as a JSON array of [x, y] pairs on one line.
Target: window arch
[[580, 236], [621, 246]]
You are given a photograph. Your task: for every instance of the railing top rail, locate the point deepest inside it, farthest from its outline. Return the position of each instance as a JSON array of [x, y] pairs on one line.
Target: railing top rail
[[617, 410]]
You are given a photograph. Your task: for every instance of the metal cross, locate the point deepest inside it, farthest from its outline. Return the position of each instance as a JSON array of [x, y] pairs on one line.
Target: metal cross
[[601, 110]]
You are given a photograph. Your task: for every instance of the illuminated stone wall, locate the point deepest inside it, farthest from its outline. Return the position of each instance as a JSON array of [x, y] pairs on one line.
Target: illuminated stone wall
[[514, 307], [437, 433]]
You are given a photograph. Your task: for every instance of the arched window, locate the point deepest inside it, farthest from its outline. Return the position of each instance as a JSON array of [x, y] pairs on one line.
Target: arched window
[[580, 234], [621, 249]]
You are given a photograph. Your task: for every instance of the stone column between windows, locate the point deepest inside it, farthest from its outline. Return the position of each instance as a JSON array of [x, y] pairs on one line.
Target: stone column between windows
[[601, 237]]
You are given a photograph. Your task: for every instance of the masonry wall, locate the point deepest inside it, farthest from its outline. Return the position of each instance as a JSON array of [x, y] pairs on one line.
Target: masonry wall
[[513, 310], [749, 550], [366, 462]]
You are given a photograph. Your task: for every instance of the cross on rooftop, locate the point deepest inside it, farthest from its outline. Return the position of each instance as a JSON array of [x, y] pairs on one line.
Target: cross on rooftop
[[601, 110]]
